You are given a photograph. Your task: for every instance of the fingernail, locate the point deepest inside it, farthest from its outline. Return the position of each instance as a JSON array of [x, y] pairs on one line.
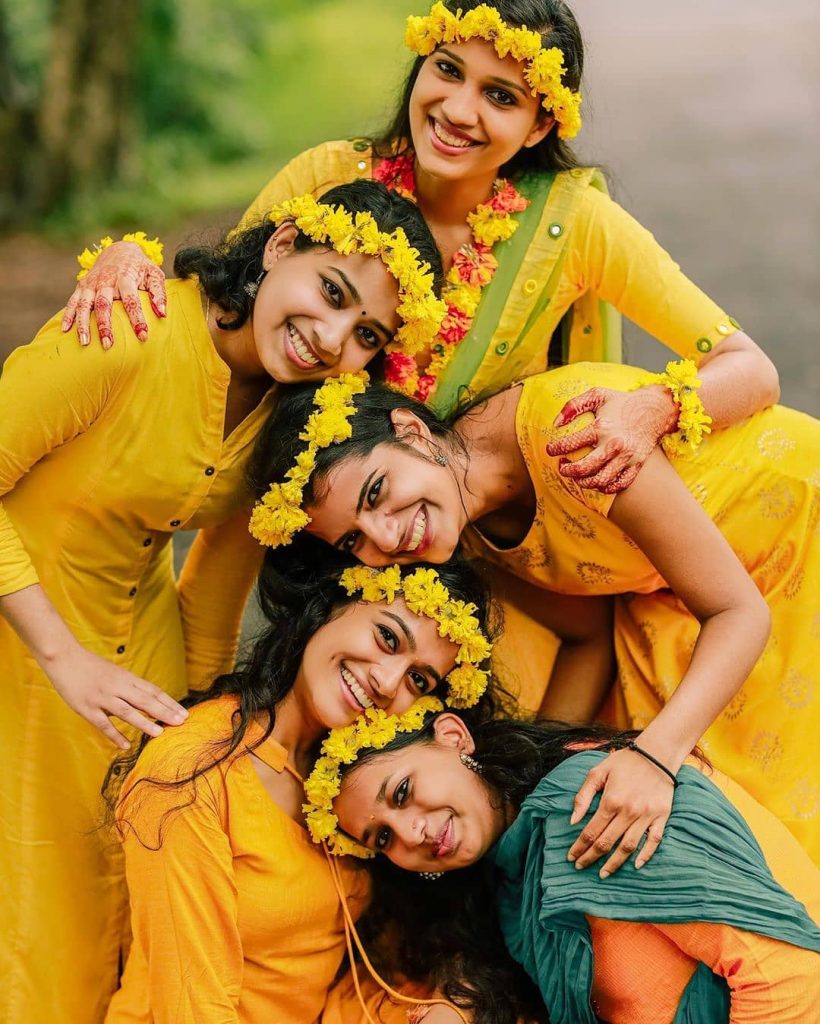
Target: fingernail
[[180, 716], [603, 874], [571, 857], [106, 343], [639, 864], [161, 308], [578, 866], [576, 817], [142, 334], [84, 338], [156, 730]]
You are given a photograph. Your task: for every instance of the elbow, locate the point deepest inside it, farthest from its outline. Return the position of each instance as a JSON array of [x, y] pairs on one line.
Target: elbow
[[770, 379], [758, 618]]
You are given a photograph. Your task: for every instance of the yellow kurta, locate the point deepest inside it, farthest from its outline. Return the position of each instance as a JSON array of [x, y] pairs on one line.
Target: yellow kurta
[[235, 914], [759, 483], [103, 455]]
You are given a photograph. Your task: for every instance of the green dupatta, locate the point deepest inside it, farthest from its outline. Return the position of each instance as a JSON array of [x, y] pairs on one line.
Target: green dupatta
[[709, 868]]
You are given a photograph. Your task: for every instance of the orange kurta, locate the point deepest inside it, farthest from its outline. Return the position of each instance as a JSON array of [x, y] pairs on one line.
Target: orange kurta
[[641, 970], [234, 911]]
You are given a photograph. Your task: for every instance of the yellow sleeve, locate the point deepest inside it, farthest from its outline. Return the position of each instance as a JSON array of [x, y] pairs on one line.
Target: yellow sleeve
[[617, 259], [769, 980], [213, 589], [315, 171], [51, 391], [184, 909]]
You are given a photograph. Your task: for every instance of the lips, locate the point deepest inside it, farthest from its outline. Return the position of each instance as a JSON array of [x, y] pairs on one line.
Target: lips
[[355, 694], [448, 139], [297, 349], [445, 840]]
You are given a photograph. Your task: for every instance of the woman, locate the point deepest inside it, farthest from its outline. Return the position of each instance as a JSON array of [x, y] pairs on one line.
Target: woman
[[724, 920], [406, 486], [236, 914], [103, 456], [473, 144]]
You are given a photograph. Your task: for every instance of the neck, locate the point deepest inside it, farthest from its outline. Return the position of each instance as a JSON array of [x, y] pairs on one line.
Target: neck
[[449, 202], [237, 349], [495, 474], [297, 732]]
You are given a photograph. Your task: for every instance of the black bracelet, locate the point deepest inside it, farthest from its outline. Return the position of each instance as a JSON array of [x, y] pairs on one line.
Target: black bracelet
[[632, 745]]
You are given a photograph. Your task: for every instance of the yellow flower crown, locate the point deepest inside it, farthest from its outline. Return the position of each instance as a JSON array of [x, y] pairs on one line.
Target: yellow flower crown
[[544, 69], [372, 730], [425, 594], [279, 514], [420, 311]]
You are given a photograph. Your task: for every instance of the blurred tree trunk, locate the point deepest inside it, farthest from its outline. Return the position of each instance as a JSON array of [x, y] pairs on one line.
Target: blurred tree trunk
[[74, 136]]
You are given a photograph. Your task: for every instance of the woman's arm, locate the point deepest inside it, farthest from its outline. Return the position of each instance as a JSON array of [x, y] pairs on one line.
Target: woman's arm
[[51, 392], [213, 590], [691, 554], [620, 261], [184, 910]]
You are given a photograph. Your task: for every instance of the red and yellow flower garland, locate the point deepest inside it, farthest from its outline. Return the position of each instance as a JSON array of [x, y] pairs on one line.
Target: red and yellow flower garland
[[474, 266]]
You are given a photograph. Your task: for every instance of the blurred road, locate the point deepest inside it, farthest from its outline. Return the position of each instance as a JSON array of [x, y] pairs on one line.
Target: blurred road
[[706, 116]]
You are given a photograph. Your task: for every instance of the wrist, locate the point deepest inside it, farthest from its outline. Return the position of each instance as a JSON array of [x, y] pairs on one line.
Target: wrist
[[668, 410], [671, 752]]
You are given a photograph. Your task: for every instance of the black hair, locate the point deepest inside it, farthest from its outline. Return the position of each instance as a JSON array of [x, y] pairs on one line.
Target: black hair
[[447, 931], [557, 26], [267, 674], [278, 444], [224, 269]]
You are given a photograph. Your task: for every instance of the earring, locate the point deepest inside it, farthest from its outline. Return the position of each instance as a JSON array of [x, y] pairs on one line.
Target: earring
[[440, 459], [430, 876], [252, 287], [471, 763]]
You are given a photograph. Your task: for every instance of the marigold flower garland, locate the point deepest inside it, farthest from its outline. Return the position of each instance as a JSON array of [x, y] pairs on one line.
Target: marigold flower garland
[[373, 730], [544, 69], [474, 266], [279, 514], [681, 380], [152, 247], [420, 311], [425, 594]]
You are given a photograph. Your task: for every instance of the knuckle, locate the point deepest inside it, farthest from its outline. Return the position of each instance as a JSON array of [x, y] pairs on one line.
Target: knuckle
[[629, 846], [602, 844], [587, 837]]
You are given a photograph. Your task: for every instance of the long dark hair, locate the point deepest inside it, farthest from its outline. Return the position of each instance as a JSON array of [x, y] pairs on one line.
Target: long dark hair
[[557, 26], [278, 444], [447, 931], [224, 269], [268, 672]]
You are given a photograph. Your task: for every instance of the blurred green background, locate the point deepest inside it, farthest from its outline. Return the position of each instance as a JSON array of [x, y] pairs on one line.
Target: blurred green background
[[141, 111]]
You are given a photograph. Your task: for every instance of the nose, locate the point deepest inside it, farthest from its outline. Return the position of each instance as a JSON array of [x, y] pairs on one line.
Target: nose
[[384, 532], [460, 107], [331, 335], [410, 829], [386, 679]]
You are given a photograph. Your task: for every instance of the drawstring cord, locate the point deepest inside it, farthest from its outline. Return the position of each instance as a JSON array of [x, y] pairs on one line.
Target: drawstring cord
[[352, 936]]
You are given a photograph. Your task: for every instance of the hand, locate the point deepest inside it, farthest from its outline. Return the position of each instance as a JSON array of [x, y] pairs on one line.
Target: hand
[[628, 426], [121, 271], [95, 689], [637, 799]]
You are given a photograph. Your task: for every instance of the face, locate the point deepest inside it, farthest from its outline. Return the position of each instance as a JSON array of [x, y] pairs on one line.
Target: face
[[371, 655], [471, 112], [421, 806], [396, 505], [318, 314]]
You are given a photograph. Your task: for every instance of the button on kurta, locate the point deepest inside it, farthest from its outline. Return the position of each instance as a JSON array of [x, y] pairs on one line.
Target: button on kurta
[[502, 347], [555, 230], [361, 165], [529, 286], [147, 542], [132, 592], [121, 649], [724, 329], [210, 471], [175, 522], [703, 345]]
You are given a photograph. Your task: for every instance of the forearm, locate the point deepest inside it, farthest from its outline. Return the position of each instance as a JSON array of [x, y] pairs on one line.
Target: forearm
[[581, 676], [727, 649], [737, 380], [38, 624]]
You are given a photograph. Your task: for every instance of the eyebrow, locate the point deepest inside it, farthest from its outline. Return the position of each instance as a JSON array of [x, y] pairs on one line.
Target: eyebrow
[[500, 81], [354, 294], [380, 799]]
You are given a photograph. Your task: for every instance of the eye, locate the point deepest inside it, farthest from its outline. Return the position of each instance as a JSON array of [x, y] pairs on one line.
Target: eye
[[446, 68], [389, 638], [333, 292], [401, 791], [421, 682], [349, 541], [501, 97], [382, 838], [369, 337], [375, 490]]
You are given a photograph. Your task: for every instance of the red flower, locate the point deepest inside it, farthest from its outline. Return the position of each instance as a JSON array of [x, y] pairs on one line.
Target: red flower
[[426, 385], [397, 173], [455, 325], [398, 368], [475, 264], [507, 199]]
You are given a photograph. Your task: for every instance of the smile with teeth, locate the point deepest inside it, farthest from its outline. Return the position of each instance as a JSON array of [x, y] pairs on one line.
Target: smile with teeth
[[444, 136], [356, 689], [300, 348], [419, 527]]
